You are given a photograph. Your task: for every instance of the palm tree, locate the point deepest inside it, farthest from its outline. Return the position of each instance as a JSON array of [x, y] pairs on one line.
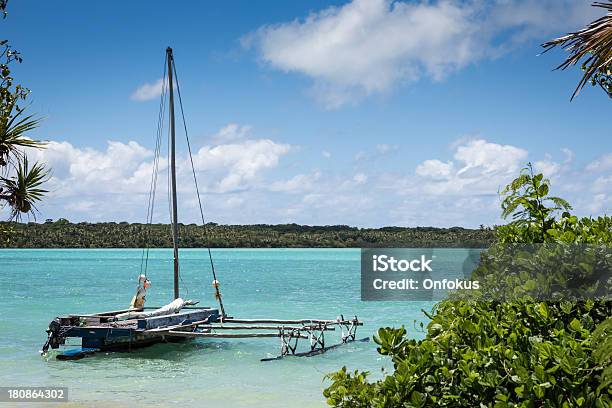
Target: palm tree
[[12, 134], [20, 184], [594, 42], [22, 190]]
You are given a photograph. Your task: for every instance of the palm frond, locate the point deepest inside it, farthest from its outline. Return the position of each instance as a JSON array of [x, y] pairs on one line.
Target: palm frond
[[23, 190], [594, 44], [13, 137]]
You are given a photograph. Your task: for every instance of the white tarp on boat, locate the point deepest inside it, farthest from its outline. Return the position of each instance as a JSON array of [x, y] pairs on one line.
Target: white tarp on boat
[[173, 307]]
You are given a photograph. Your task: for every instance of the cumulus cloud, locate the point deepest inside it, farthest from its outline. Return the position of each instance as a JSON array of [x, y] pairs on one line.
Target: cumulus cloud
[[443, 191], [297, 184], [435, 169], [367, 46], [241, 162], [602, 163], [147, 91], [547, 166], [121, 168], [482, 158], [479, 167], [231, 132], [246, 181], [113, 182]]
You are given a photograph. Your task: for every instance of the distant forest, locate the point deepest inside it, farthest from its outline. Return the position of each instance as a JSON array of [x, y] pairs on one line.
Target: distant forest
[[64, 234]]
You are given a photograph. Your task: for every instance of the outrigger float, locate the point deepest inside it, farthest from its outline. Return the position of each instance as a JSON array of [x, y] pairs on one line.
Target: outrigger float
[[180, 320]]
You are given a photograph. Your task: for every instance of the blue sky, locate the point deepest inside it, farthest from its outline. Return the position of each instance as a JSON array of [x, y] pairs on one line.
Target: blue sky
[[366, 113]]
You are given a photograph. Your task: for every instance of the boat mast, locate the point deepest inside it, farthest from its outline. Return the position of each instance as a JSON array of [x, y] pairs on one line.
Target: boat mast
[[175, 235]]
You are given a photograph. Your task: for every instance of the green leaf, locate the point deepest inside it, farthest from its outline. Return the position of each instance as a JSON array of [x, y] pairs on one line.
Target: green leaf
[[575, 325], [542, 310]]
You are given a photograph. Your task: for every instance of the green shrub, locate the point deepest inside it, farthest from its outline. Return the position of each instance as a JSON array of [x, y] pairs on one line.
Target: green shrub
[[520, 352]]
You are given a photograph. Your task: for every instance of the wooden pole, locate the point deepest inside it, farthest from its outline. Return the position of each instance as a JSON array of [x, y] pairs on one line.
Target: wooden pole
[[300, 321], [262, 327], [226, 335], [175, 235]]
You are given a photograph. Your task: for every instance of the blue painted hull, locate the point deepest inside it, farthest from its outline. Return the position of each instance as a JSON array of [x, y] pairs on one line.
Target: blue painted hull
[[103, 332]]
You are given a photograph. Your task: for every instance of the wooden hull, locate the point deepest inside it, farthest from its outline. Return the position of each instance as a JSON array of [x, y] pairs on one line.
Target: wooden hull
[[103, 332], [125, 343]]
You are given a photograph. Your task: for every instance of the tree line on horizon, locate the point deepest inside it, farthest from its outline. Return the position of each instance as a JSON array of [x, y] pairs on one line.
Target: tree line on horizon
[[64, 234]]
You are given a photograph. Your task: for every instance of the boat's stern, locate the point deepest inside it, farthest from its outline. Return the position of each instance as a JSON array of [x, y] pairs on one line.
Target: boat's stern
[[54, 337]]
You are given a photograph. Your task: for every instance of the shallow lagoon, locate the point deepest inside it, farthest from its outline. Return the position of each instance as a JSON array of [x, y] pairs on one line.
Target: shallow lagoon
[[37, 285]]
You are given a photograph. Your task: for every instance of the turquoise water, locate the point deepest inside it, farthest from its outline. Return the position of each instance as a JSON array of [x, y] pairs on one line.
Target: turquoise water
[[37, 285]]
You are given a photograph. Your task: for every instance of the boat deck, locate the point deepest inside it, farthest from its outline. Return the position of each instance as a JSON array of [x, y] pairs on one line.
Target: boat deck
[[104, 332]]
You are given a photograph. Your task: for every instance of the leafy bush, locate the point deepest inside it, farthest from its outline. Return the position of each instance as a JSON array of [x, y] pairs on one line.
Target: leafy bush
[[520, 352]]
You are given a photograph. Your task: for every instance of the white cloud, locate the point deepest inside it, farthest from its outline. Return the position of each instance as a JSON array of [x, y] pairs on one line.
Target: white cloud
[[601, 164], [385, 148], [603, 184], [233, 201], [547, 166], [241, 162], [241, 157], [147, 91], [479, 167], [296, 184], [376, 152], [552, 168], [250, 181], [435, 169], [367, 46], [600, 202], [326, 154], [482, 158], [121, 168], [360, 178], [467, 186], [113, 183], [231, 133], [569, 155]]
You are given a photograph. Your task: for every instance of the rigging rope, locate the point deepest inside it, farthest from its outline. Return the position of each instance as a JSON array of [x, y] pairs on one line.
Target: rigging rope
[[154, 178], [195, 180], [144, 261]]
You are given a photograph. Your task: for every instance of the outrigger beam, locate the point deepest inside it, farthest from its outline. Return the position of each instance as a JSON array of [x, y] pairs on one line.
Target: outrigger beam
[[288, 331], [301, 321], [177, 326], [264, 328], [225, 335]]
